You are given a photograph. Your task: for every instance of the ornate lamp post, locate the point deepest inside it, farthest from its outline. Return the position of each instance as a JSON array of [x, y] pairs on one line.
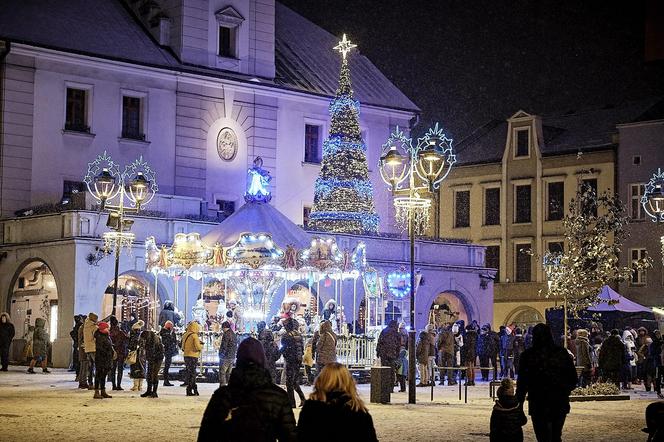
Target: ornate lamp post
[[137, 184], [425, 166]]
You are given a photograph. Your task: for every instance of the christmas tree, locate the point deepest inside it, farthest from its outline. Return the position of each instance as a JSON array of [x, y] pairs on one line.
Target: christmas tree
[[343, 198]]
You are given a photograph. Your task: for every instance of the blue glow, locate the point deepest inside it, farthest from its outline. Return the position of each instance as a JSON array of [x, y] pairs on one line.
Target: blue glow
[[368, 221], [258, 180], [398, 283], [335, 144], [361, 187], [342, 103]]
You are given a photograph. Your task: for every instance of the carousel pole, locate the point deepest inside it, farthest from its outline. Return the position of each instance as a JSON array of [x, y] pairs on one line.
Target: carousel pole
[[318, 296], [176, 280], [186, 295], [354, 305], [340, 304], [156, 295]]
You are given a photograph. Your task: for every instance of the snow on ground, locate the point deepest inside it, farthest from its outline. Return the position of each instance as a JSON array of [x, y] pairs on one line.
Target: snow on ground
[[50, 407]]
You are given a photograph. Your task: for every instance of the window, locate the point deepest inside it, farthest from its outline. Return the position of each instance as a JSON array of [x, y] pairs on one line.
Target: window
[[306, 211], [636, 160], [73, 192], [226, 209], [227, 38], [638, 276], [592, 208], [132, 121], [312, 143], [76, 118], [636, 209], [522, 206], [492, 206], [523, 266], [556, 246], [522, 143], [462, 208], [492, 260], [556, 201]]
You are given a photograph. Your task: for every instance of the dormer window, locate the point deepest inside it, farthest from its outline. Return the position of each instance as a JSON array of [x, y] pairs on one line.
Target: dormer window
[[229, 21], [522, 143]]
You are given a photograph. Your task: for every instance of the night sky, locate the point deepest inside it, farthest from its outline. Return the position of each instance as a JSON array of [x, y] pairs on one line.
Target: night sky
[[465, 62]]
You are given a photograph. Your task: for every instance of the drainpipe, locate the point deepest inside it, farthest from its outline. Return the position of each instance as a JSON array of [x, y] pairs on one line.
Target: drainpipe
[[4, 50]]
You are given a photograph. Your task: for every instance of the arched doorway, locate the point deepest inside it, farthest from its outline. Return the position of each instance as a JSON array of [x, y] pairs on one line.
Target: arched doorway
[[524, 317], [135, 295], [34, 294], [447, 308]]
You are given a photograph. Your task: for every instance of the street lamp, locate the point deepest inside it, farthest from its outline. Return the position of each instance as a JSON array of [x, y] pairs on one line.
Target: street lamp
[[107, 185], [425, 166]]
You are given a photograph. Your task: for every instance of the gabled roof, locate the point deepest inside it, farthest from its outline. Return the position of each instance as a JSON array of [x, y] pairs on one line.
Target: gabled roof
[[587, 129], [304, 58]]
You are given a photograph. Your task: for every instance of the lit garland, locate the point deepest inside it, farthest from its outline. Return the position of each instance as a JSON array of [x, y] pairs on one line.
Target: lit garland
[[398, 283], [343, 194]]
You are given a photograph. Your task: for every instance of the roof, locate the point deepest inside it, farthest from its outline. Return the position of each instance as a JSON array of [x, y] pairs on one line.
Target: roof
[[611, 301], [570, 132], [304, 58]]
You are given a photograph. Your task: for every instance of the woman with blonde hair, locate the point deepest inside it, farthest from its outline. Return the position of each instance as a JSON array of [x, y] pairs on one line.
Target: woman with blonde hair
[[335, 399]]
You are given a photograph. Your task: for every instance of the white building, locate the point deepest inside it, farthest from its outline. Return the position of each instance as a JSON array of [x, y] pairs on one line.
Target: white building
[[199, 88]]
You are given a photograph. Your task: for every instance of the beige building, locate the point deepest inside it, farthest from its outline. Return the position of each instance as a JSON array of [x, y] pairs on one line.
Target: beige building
[[511, 188]]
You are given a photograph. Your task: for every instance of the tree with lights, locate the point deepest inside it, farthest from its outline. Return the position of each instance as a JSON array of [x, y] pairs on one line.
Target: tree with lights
[[594, 229], [343, 195]]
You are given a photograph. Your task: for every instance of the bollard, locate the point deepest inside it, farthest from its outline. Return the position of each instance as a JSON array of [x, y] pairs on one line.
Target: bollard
[[382, 384]]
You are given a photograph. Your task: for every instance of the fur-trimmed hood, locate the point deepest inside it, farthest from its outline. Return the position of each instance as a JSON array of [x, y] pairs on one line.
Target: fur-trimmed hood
[[6, 315]]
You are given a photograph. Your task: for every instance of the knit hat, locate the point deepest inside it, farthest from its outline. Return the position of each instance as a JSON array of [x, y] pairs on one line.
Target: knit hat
[[138, 325], [251, 350], [168, 325], [93, 317], [103, 327], [114, 321], [506, 388]]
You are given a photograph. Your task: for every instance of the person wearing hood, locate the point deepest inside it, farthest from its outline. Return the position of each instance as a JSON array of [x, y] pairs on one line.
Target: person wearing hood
[[119, 339], [422, 356], [583, 356], [335, 399], [168, 313], [82, 358], [388, 345], [227, 351], [75, 365], [191, 348], [518, 347], [485, 349], [445, 346], [271, 349], [293, 350], [330, 313], [507, 416], [170, 342], [137, 369], [548, 376], [612, 358], [324, 345], [507, 354], [629, 368], [103, 359], [641, 336], [154, 355], [470, 354], [40, 343], [656, 354], [251, 406], [89, 329], [6, 335]]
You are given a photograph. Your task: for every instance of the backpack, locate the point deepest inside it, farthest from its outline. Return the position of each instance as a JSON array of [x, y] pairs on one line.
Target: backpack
[[244, 421]]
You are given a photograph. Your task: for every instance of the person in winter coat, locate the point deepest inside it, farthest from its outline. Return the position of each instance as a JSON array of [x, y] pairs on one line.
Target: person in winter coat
[[445, 345], [583, 356], [227, 351], [495, 356], [154, 356], [518, 347], [324, 345], [251, 406], [388, 345], [334, 399], [629, 367], [103, 359], [402, 369], [89, 329], [640, 342], [168, 313], [6, 336], [292, 349], [137, 369], [548, 376], [656, 360], [170, 343], [403, 335], [528, 338], [73, 334], [271, 350], [119, 339], [507, 354], [40, 343], [612, 358], [507, 416], [82, 358], [422, 356], [470, 353], [485, 348], [191, 348]]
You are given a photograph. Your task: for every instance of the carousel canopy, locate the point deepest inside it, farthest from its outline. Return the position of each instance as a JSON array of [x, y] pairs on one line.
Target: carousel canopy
[[258, 217], [612, 301]]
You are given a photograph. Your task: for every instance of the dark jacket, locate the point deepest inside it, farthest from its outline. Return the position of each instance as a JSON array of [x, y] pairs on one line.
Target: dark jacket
[[507, 418], [317, 421], [6, 331], [548, 376], [168, 314], [324, 344], [152, 346], [137, 370], [228, 346], [583, 352], [40, 339], [612, 354], [170, 342], [292, 347], [423, 348], [445, 342], [270, 348], [507, 345], [388, 342], [486, 346], [470, 347], [496, 343], [250, 407], [120, 340], [103, 351]]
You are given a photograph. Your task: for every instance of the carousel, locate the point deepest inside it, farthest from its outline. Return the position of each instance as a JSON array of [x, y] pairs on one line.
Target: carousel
[[257, 266]]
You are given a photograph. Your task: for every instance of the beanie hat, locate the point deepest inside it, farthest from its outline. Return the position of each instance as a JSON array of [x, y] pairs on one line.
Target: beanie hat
[[103, 327], [168, 325], [93, 317], [251, 351], [114, 321], [138, 325], [506, 388], [225, 324]]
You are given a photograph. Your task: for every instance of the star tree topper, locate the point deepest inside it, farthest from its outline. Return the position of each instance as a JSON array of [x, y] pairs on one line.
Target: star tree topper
[[344, 46]]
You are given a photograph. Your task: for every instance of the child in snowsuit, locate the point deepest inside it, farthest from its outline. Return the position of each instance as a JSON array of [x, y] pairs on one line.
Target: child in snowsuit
[[507, 416]]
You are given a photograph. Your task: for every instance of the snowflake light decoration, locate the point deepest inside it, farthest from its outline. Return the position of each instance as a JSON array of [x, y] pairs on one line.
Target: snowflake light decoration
[[653, 197]]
